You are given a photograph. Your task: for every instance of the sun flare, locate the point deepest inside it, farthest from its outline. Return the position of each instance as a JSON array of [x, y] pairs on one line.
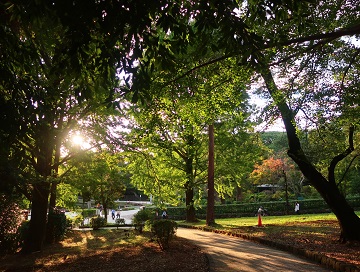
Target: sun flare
[[77, 140]]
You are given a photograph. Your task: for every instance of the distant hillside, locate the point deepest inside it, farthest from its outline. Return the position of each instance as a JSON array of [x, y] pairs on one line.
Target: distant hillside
[[275, 140]]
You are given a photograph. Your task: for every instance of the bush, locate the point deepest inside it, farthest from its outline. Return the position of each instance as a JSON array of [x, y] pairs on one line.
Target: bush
[[89, 213], [74, 221], [58, 219], [10, 218], [164, 231], [141, 217], [97, 222], [120, 221], [23, 232]]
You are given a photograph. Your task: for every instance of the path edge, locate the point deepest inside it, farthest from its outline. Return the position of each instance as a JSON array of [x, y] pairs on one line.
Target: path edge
[[317, 257]]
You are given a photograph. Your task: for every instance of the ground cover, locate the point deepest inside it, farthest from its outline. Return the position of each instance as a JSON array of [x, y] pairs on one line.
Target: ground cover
[[116, 250], [109, 250]]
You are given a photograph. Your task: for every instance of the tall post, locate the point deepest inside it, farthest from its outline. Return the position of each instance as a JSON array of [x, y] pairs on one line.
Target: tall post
[[210, 213]]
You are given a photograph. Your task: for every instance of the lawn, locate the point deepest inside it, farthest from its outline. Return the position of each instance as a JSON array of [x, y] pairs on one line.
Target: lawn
[[226, 223]]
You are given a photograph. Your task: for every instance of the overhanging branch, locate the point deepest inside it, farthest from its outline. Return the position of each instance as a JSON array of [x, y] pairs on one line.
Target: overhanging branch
[[343, 155]]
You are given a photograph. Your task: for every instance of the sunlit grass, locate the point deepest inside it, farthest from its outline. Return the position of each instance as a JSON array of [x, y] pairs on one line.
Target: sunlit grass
[[291, 226], [274, 220], [266, 220]]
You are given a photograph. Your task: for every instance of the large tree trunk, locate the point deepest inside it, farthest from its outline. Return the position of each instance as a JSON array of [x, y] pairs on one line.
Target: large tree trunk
[[37, 229], [210, 213], [190, 209], [40, 192], [348, 220], [50, 227], [189, 185]]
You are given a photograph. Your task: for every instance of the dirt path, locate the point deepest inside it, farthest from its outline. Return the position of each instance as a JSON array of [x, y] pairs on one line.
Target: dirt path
[[232, 254]]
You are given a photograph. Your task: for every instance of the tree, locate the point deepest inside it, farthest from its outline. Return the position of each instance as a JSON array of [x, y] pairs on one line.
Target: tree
[[270, 37], [233, 168], [101, 177], [46, 90], [152, 173], [177, 122], [268, 172], [278, 173], [302, 30], [58, 56], [169, 145], [326, 186]]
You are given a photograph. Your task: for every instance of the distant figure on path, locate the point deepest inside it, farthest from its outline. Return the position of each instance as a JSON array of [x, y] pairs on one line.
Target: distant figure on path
[[118, 215], [164, 215], [113, 214], [297, 207]]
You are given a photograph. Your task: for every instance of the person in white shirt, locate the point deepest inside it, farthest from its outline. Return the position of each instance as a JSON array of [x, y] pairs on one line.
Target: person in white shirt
[[297, 207]]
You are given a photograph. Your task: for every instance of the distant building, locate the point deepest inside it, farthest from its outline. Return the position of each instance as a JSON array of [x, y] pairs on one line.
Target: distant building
[[268, 187]]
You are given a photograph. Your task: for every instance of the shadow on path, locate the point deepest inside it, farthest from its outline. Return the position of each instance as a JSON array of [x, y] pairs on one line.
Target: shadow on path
[[230, 254]]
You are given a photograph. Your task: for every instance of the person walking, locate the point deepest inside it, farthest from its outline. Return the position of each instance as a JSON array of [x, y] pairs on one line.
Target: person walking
[[113, 214], [164, 215], [297, 207]]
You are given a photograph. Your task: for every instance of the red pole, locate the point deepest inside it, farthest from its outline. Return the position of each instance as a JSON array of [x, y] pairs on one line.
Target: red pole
[[259, 220]]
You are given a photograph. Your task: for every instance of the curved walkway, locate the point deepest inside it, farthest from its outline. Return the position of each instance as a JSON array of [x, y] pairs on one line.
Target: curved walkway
[[233, 254]]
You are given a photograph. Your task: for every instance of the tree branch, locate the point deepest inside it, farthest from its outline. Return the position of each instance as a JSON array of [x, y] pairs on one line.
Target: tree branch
[[347, 169], [348, 67], [198, 67], [323, 37], [350, 31], [340, 157]]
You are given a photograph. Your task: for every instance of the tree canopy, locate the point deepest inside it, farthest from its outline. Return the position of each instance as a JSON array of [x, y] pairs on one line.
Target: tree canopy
[[62, 62]]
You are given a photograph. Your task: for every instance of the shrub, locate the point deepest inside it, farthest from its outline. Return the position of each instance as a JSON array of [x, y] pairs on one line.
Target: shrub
[[164, 231], [23, 232], [74, 221], [120, 221], [141, 217], [97, 222], [58, 219], [89, 213], [10, 218]]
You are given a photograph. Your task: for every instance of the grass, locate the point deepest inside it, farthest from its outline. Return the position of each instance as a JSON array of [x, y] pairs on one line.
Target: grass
[[228, 223]]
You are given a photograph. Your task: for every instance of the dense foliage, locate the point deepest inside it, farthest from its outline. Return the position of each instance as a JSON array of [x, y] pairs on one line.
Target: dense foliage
[[10, 217], [97, 222], [61, 70], [60, 224], [164, 231]]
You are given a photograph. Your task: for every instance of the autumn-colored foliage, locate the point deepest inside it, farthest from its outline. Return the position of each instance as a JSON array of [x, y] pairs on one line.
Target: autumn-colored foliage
[[268, 172]]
